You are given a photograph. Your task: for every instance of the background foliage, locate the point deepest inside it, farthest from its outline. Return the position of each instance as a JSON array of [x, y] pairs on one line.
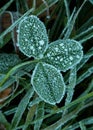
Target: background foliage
[[20, 106]]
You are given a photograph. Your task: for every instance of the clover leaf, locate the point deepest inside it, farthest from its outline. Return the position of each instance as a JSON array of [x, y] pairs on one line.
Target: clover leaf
[[48, 83], [63, 54], [32, 37], [7, 61], [59, 55]]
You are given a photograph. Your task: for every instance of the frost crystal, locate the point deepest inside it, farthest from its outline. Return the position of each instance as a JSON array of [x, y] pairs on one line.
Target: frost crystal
[[7, 61], [32, 37], [63, 54], [48, 83]]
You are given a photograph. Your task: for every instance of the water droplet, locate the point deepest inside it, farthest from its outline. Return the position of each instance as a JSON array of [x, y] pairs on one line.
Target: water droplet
[[61, 44], [26, 40], [71, 58], [65, 50], [31, 47], [61, 59], [48, 55], [70, 63], [40, 47], [25, 26], [41, 42], [17, 31], [24, 48], [41, 56], [78, 56], [17, 44], [56, 49]]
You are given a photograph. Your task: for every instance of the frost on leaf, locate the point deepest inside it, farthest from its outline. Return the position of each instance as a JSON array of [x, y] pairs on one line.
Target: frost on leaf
[[63, 54], [7, 61], [32, 37], [48, 83]]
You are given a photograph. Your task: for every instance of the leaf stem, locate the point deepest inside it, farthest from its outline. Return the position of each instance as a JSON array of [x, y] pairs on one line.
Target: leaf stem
[[12, 71]]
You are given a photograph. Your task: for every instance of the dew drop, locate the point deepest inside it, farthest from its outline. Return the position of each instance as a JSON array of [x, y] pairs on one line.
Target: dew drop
[[26, 40], [61, 44], [41, 42], [56, 49], [61, 59], [17, 31], [71, 58], [48, 55], [24, 48], [39, 47], [78, 56], [31, 47]]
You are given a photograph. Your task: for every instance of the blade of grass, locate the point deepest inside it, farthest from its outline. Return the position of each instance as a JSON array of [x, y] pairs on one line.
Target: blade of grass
[[30, 116], [4, 121], [12, 97], [84, 75], [84, 33], [13, 25], [14, 69], [71, 25], [75, 102], [86, 121], [72, 104], [5, 6], [70, 87], [39, 113], [67, 9], [21, 108], [82, 126]]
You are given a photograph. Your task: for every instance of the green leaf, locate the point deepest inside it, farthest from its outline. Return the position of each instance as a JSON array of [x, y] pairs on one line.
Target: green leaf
[[48, 83], [32, 37], [63, 54], [7, 61]]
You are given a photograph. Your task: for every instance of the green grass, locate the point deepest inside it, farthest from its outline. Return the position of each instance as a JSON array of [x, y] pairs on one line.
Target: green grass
[[23, 108]]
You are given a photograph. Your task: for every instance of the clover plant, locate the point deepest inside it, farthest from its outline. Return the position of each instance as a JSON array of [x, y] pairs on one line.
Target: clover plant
[[53, 58], [7, 61]]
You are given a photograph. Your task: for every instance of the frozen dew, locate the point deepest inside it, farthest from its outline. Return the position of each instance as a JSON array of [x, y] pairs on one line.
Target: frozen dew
[[32, 36], [48, 55], [71, 58], [78, 56], [62, 45], [24, 48], [17, 44], [25, 26], [65, 50], [48, 83], [61, 59], [56, 49], [41, 55], [17, 31], [70, 63], [39, 47], [31, 47], [64, 57], [26, 40], [41, 42], [7, 61]]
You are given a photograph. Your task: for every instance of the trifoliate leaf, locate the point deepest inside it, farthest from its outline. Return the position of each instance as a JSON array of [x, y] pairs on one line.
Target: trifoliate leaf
[[7, 61], [63, 54], [48, 83], [32, 37]]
